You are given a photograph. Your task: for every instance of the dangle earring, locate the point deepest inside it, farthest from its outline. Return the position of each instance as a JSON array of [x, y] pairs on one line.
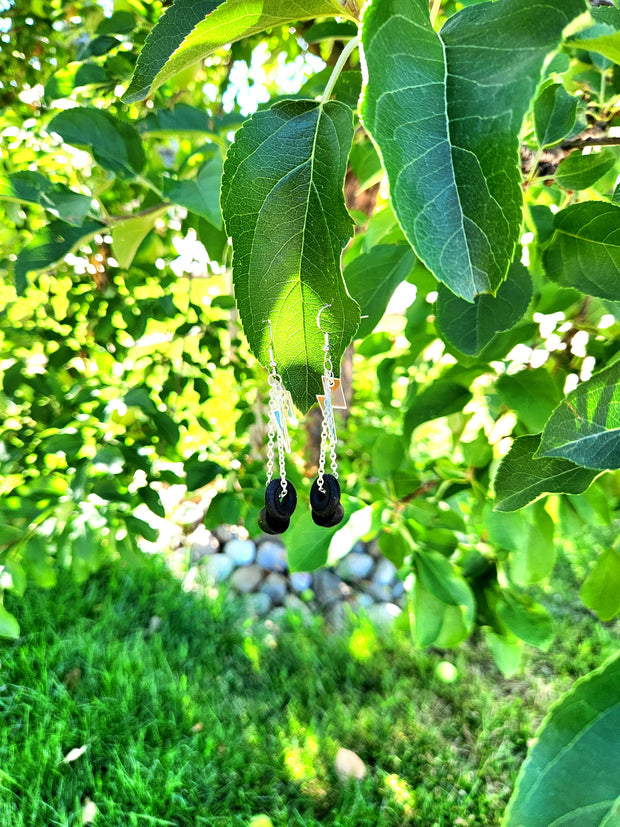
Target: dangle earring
[[327, 510], [280, 495]]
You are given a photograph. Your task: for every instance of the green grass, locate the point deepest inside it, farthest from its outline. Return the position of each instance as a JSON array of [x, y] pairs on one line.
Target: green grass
[[209, 721]]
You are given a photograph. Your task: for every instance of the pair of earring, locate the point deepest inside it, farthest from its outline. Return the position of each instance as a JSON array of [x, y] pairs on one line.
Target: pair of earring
[[280, 495]]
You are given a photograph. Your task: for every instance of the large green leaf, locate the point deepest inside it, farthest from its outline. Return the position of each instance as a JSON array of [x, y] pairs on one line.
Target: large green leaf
[[601, 588], [283, 206], [529, 621], [33, 188], [585, 427], [578, 172], [190, 30], [585, 250], [604, 40], [470, 327], [572, 773], [445, 111], [372, 277], [442, 397], [521, 479], [114, 144]]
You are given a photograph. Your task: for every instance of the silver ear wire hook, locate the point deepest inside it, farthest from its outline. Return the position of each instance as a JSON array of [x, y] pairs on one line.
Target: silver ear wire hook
[[272, 361], [318, 324]]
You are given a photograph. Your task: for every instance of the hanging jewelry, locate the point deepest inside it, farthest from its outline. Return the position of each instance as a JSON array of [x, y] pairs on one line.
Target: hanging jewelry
[[280, 495], [325, 502]]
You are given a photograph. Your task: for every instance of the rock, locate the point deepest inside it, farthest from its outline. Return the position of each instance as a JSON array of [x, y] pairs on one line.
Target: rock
[[329, 587], [385, 572], [382, 615], [242, 552], [379, 591], [218, 567], [272, 556], [275, 586], [224, 533], [278, 614], [247, 578], [398, 589], [336, 615], [257, 604], [300, 581], [296, 604], [360, 602], [349, 765], [359, 548], [202, 542], [355, 566]]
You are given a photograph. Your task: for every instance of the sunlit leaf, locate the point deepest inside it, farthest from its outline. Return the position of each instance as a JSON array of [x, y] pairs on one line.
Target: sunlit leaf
[[601, 589], [578, 172]]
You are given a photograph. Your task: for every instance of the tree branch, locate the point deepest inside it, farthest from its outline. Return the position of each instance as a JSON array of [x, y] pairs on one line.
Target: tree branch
[[579, 143]]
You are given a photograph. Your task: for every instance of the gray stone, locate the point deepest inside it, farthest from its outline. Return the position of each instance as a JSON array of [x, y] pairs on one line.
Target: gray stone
[[336, 614], [296, 604], [275, 586], [361, 602], [247, 578], [355, 566], [329, 587], [218, 567], [242, 552], [272, 556], [201, 543], [382, 615], [300, 581], [278, 614], [379, 591], [385, 572], [398, 589], [256, 604], [359, 548]]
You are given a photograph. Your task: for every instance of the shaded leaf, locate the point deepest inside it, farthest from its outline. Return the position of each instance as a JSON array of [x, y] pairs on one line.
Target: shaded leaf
[[34, 188], [585, 250], [555, 112], [527, 620], [533, 393], [453, 166], [601, 588], [571, 776], [372, 277], [200, 194], [521, 478], [199, 472], [585, 427], [471, 327], [578, 172], [283, 205], [440, 398]]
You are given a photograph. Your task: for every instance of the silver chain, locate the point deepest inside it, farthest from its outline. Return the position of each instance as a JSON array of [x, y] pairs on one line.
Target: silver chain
[[328, 427], [276, 389]]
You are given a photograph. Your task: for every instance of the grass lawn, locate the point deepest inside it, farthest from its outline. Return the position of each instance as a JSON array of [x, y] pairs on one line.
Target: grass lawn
[[164, 709]]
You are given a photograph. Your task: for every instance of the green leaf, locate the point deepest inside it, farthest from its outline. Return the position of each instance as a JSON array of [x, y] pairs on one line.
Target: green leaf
[[372, 277], [114, 144], [601, 589], [186, 118], [437, 575], [192, 29], [9, 534], [121, 22], [34, 188], [200, 194], [440, 398], [471, 327], [309, 545], [528, 535], [387, 454], [585, 427], [527, 620], [200, 472], [521, 478], [607, 43], [585, 250], [571, 775], [454, 166], [49, 245], [555, 112], [75, 76], [128, 235], [437, 624], [283, 206], [532, 393], [506, 650], [578, 172], [9, 627]]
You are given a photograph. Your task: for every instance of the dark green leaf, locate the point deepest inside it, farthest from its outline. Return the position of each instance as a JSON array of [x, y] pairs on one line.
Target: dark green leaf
[[114, 144], [578, 172], [330, 30], [437, 575], [532, 393], [440, 398], [372, 277], [9, 534], [200, 194], [585, 427], [454, 166], [601, 589], [283, 205], [471, 327], [521, 479], [572, 773], [585, 251], [555, 112], [34, 188], [200, 472], [527, 620], [121, 22]]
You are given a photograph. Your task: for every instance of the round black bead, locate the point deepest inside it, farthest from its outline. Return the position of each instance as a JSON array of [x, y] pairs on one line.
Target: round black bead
[[277, 506], [270, 524], [325, 503], [329, 520]]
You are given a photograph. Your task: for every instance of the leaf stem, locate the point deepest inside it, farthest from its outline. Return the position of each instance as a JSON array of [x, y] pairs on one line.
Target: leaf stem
[[344, 56], [435, 11]]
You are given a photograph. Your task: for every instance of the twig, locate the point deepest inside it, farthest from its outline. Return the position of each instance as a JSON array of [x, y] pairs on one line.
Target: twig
[[579, 143]]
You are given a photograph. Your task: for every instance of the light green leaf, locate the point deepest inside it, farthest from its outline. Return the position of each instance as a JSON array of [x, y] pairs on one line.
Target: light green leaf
[[506, 650], [387, 454], [9, 534], [190, 30], [578, 172], [128, 235], [437, 624], [372, 277], [572, 774], [9, 627], [601, 589], [437, 575], [606, 43], [521, 479], [528, 536], [470, 327], [50, 244], [445, 111], [585, 427], [283, 206], [200, 194], [114, 144], [527, 620], [555, 112], [532, 393], [585, 250], [34, 188]]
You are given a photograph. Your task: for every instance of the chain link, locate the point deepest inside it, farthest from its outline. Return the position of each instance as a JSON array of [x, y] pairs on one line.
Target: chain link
[[328, 427], [276, 389]]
